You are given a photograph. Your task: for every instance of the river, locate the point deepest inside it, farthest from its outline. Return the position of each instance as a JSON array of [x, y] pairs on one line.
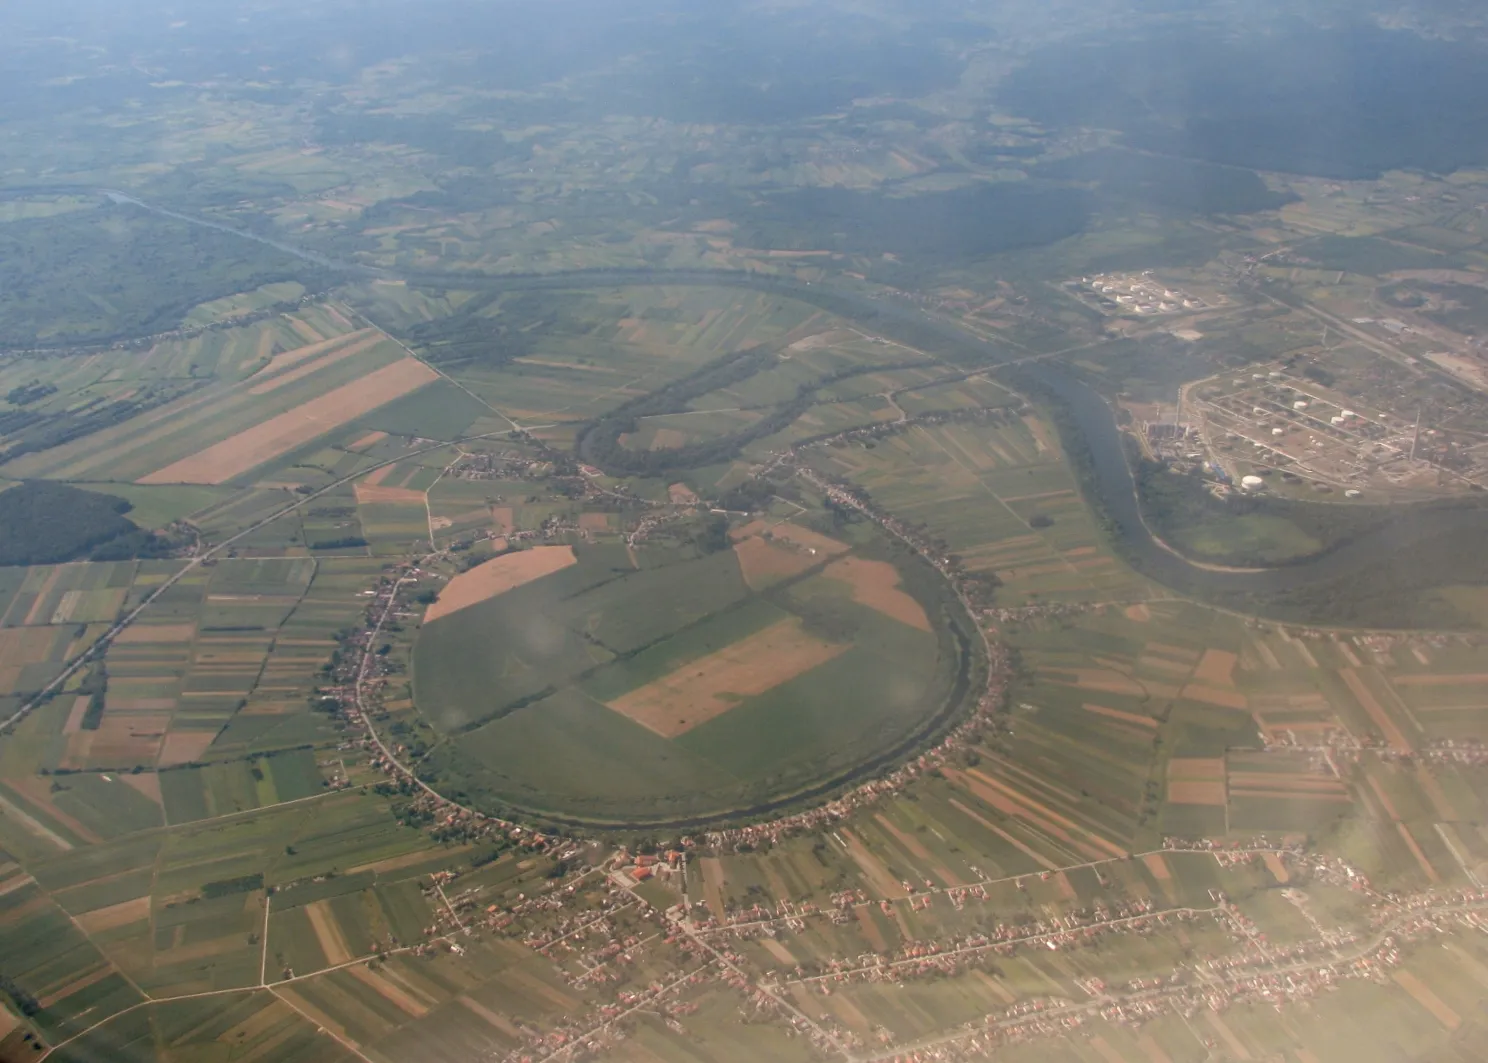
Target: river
[[1109, 473]]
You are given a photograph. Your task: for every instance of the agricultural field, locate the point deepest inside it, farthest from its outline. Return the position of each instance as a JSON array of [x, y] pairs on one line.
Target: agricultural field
[[710, 696], [255, 394], [995, 491], [603, 576]]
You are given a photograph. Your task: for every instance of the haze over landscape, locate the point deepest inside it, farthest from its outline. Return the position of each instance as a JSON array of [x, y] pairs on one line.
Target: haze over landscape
[[790, 530]]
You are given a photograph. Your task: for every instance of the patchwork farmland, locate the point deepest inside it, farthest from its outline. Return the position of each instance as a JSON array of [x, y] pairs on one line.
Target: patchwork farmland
[[440, 738]]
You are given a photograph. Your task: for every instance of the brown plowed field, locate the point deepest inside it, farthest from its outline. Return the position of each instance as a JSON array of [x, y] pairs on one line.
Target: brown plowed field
[[286, 359], [328, 932], [497, 576], [183, 747], [1225, 699], [1193, 792], [368, 441], [366, 341], [762, 562], [711, 685], [876, 585], [1217, 668], [1196, 768], [371, 493], [1117, 714], [294, 428], [156, 633], [115, 915]]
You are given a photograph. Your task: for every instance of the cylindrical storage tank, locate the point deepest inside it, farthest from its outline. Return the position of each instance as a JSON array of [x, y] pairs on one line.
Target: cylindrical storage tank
[[1250, 483]]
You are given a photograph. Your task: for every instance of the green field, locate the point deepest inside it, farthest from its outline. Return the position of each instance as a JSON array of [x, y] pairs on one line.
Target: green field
[[526, 702]]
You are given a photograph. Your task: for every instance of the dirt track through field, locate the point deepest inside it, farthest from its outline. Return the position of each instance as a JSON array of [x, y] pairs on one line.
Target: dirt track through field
[[497, 576], [710, 686], [279, 435]]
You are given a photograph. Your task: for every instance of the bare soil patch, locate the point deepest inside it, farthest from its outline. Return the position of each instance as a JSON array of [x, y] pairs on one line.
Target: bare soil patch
[[368, 441], [115, 915], [1216, 668], [504, 519], [763, 562], [183, 747], [1424, 996], [681, 495], [36, 612], [395, 995], [1158, 866], [77, 985], [1124, 717], [497, 576], [75, 715], [1382, 719], [1139, 612], [368, 340], [147, 783], [371, 493], [712, 685], [1196, 768], [1040, 432], [290, 358], [268, 440], [328, 932], [1193, 792], [594, 522], [1225, 699], [156, 633], [876, 585]]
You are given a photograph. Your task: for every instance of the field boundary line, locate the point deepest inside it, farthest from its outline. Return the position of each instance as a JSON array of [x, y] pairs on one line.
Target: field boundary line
[[443, 375]]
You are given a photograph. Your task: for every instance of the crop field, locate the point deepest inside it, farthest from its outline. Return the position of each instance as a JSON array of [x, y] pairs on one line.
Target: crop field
[[674, 673], [999, 495], [266, 390], [1249, 729], [647, 336], [673, 676]]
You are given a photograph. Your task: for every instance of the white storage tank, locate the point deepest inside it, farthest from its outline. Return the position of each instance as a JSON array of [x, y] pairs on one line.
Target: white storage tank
[[1250, 483]]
